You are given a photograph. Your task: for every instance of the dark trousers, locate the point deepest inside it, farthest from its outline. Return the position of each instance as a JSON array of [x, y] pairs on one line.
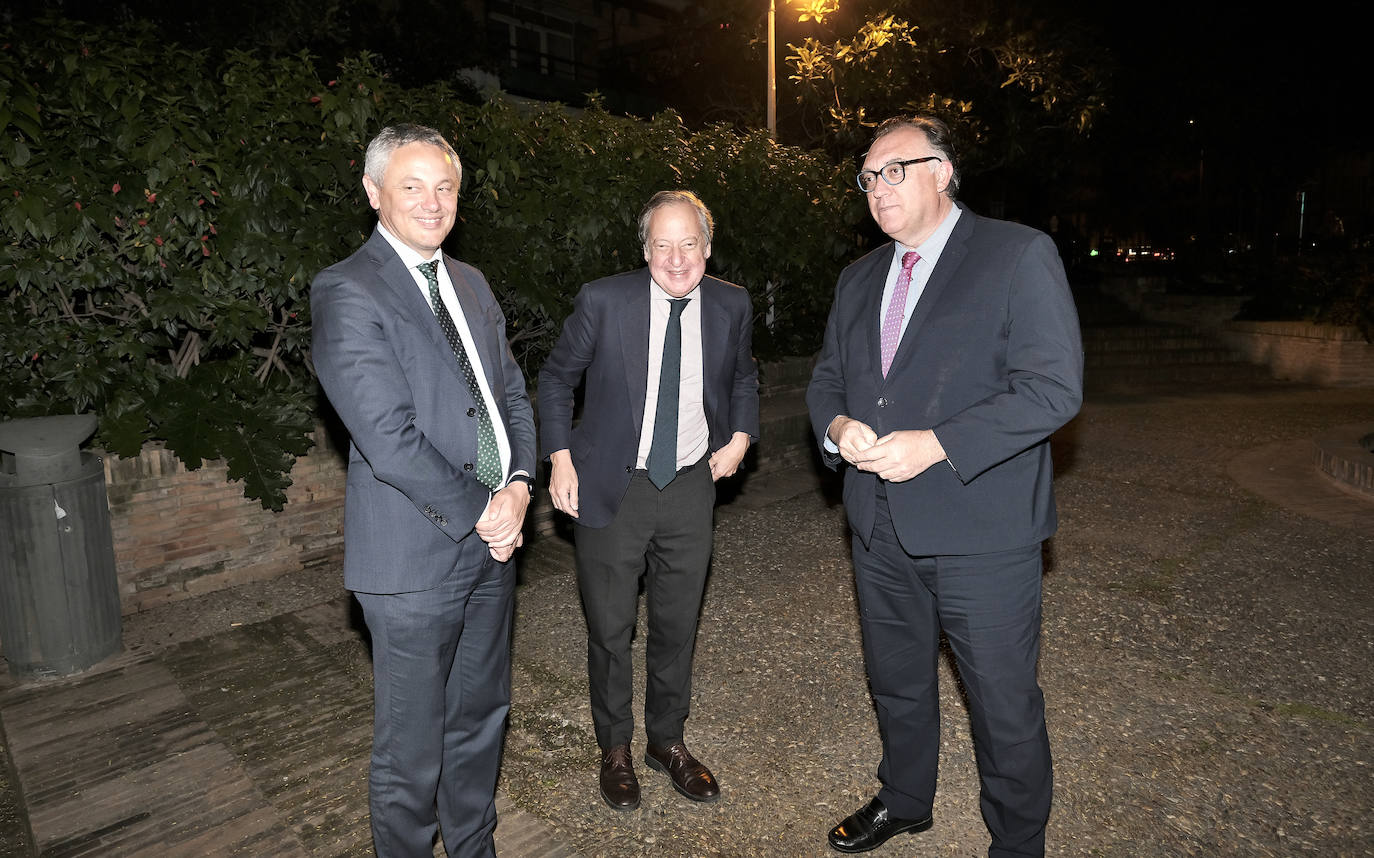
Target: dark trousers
[[665, 536], [441, 677], [988, 606]]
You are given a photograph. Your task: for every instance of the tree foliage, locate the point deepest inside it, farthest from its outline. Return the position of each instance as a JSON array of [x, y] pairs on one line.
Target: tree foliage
[[162, 213], [1014, 82], [155, 258]]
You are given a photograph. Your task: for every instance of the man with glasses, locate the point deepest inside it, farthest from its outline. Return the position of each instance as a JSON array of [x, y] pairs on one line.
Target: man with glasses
[[951, 355], [671, 404]]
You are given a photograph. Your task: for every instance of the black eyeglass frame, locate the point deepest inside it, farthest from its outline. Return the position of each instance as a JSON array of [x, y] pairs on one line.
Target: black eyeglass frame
[[902, 165]]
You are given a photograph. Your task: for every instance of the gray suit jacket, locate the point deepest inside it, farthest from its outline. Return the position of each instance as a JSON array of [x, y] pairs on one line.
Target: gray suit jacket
[[389, 372], [991, 360], [607, 338]]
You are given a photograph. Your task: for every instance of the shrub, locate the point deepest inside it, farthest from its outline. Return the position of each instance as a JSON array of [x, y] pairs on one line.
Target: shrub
[[162, 217], [1332, 288]]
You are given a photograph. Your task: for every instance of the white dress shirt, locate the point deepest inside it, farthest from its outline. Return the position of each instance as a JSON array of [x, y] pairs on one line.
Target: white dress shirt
[[693, 435]]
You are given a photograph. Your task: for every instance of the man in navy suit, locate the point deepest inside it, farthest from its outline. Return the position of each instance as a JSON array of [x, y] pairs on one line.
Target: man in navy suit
[[410, 346], [950, 356], [670, 406]]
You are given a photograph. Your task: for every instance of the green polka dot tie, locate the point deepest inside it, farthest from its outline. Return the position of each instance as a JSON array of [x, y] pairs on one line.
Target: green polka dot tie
[[488, 454]]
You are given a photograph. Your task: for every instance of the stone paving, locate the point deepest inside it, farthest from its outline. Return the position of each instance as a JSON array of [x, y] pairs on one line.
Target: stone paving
[[1208, 641]]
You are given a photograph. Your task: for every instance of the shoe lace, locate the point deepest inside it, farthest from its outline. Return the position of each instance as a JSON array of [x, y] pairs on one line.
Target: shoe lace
[[679, 756]]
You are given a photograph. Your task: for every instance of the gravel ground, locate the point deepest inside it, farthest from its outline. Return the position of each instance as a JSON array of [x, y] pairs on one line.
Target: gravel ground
[[1206, 666], [1206, 663]]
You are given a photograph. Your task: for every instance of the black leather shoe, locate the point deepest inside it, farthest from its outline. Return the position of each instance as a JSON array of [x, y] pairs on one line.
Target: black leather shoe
[[872, 826], [689, 777], [619, 786]]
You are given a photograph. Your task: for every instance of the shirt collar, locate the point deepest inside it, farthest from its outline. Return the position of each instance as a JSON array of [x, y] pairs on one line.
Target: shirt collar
[[406, 252], [932, 247], [657, 291]]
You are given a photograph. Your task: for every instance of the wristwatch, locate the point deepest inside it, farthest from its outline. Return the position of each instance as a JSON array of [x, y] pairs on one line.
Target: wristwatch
[[523, 478]]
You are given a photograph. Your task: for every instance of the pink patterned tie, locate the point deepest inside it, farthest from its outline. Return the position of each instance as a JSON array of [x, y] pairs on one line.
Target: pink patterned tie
[[892, 323]]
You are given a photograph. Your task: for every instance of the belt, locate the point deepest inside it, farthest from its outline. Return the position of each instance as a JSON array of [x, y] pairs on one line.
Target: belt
[[680, 471]]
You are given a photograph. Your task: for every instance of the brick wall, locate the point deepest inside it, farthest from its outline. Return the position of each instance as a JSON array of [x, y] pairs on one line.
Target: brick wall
[[1330, 355], [180, 533], [1345, 461]]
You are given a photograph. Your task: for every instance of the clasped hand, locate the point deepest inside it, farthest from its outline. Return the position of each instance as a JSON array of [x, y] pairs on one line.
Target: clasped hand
[[501, 525], [895, 457]]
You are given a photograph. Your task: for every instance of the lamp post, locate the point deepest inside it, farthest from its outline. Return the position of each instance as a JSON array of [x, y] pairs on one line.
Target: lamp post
[[814, 10], [772, 71]]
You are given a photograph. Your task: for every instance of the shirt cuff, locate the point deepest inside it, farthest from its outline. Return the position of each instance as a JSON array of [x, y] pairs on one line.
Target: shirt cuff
[[829, 445]]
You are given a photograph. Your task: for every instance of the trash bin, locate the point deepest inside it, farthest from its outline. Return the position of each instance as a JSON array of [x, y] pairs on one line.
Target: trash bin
[[59, 593]]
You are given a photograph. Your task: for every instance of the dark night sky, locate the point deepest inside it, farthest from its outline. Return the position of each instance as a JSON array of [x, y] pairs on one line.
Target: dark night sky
[[1264, 99], [1282, 82]]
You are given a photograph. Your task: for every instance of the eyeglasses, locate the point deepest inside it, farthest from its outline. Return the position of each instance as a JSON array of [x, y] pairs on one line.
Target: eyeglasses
[[892, 173]]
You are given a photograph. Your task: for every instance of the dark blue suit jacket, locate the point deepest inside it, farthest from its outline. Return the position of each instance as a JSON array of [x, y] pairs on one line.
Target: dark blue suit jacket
[[607, 339], [390, 373], [991, 360]]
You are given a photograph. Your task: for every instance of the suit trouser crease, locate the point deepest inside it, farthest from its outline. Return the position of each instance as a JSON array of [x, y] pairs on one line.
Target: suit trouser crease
[[989, 607], [666, 536], [441, 672]]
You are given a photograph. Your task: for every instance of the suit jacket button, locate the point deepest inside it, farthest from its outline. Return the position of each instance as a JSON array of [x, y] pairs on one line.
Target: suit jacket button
[[882, 401], [472, 412], [467, 466], [629, 469]]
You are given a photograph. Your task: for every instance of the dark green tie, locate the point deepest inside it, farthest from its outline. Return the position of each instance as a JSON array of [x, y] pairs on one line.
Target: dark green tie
[[488, 454], [662, 461]]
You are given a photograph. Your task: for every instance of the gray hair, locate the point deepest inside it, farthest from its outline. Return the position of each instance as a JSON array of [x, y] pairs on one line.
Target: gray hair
[[669, 198], [938, 135], [393, 137]]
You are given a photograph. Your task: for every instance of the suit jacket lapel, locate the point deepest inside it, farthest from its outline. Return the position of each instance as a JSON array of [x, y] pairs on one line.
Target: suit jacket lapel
[[392, 271], [472, 313], [634, 344], [870, 303]]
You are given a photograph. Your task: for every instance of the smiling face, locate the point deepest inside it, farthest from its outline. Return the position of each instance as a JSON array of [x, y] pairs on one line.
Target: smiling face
[[675, 248], [417, 200], [910, 211]]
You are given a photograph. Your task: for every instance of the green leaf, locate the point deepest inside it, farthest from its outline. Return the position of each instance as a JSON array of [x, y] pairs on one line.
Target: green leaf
[[124, 434], [190, 421]]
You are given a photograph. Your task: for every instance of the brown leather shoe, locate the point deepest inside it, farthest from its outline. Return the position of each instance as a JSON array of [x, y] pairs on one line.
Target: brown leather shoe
[[689, 777], [619, 786]]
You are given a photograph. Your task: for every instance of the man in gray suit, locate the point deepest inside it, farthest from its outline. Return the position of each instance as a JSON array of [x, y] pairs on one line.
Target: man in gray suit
[[671, 405], [950, 356], [410, 346]]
